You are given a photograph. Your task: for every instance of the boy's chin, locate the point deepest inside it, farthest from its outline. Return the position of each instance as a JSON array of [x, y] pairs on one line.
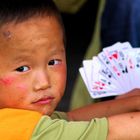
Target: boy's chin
[[45, 112]]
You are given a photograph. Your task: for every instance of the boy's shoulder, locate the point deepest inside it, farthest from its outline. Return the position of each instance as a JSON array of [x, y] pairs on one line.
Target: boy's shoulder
[[14, 123]]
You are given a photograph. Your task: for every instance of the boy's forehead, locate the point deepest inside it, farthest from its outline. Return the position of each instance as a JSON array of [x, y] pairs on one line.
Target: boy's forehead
[[34, 27], [31, 23], [33, 32]]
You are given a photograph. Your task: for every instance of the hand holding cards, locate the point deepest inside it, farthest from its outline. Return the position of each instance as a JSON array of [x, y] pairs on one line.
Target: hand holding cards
[[114, 71]]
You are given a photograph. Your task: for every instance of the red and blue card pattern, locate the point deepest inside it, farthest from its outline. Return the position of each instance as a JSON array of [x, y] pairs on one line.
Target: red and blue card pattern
[[114, 71]]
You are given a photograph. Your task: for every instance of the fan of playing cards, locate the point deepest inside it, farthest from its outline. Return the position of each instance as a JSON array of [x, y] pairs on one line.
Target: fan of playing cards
[[114, 71]]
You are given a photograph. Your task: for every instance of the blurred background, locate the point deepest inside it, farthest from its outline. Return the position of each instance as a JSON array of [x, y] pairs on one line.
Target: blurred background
[[89, 28], [79, 29]]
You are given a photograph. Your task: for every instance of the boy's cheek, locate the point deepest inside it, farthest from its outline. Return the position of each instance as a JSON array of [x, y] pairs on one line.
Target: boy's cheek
[[13, 82], [7, 81], [22, 87]]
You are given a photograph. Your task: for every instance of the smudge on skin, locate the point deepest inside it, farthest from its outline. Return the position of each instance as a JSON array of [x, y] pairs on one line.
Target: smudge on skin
[[7, 34], [6, 81]]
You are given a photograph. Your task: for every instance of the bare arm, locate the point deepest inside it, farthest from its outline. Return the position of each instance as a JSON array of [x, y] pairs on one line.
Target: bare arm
[[107, 108], [124, 127]]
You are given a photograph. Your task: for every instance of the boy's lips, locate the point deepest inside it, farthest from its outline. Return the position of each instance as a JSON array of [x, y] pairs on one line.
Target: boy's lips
[[45, 100]]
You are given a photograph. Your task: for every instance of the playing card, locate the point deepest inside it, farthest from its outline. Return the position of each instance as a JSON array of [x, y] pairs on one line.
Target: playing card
[[137, 68], [96, 93], [81, 70], [104, 80], [87, 67], [133, 63], [116, 56], [92, 83], [114, 71]]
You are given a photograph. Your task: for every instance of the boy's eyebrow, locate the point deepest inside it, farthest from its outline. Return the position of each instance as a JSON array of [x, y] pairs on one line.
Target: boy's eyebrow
[[55, 50], [26, 55], [20, 58], [22, 54]]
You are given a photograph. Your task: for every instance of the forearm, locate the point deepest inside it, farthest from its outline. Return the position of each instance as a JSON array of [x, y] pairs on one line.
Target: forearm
[[124, 127], [105, 109]]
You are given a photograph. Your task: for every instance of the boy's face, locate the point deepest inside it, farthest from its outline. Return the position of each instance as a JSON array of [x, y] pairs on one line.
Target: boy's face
[[32, 65]]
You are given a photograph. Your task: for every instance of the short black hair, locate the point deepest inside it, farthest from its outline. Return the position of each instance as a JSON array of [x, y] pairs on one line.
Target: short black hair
[[21, 10]]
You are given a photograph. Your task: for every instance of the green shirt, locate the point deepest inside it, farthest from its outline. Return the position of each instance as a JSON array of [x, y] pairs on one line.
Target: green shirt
[[57, 127]]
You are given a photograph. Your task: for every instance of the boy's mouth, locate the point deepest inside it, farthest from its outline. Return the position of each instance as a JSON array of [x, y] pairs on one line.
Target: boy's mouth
[[43, 101]]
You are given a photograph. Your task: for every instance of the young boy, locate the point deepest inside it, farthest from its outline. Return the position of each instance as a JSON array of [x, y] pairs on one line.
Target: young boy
[[32, 82]]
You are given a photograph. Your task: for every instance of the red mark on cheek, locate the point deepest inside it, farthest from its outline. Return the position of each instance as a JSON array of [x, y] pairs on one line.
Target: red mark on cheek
[[7, 81]]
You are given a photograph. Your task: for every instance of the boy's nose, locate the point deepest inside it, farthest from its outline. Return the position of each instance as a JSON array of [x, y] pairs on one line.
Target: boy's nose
[[41, 81]]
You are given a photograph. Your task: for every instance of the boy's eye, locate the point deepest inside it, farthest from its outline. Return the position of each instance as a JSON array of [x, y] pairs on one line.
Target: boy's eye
[[54, 62], [22, 69]]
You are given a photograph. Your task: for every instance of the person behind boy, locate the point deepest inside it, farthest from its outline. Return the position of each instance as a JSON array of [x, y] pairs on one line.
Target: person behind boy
[[33, 77]]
